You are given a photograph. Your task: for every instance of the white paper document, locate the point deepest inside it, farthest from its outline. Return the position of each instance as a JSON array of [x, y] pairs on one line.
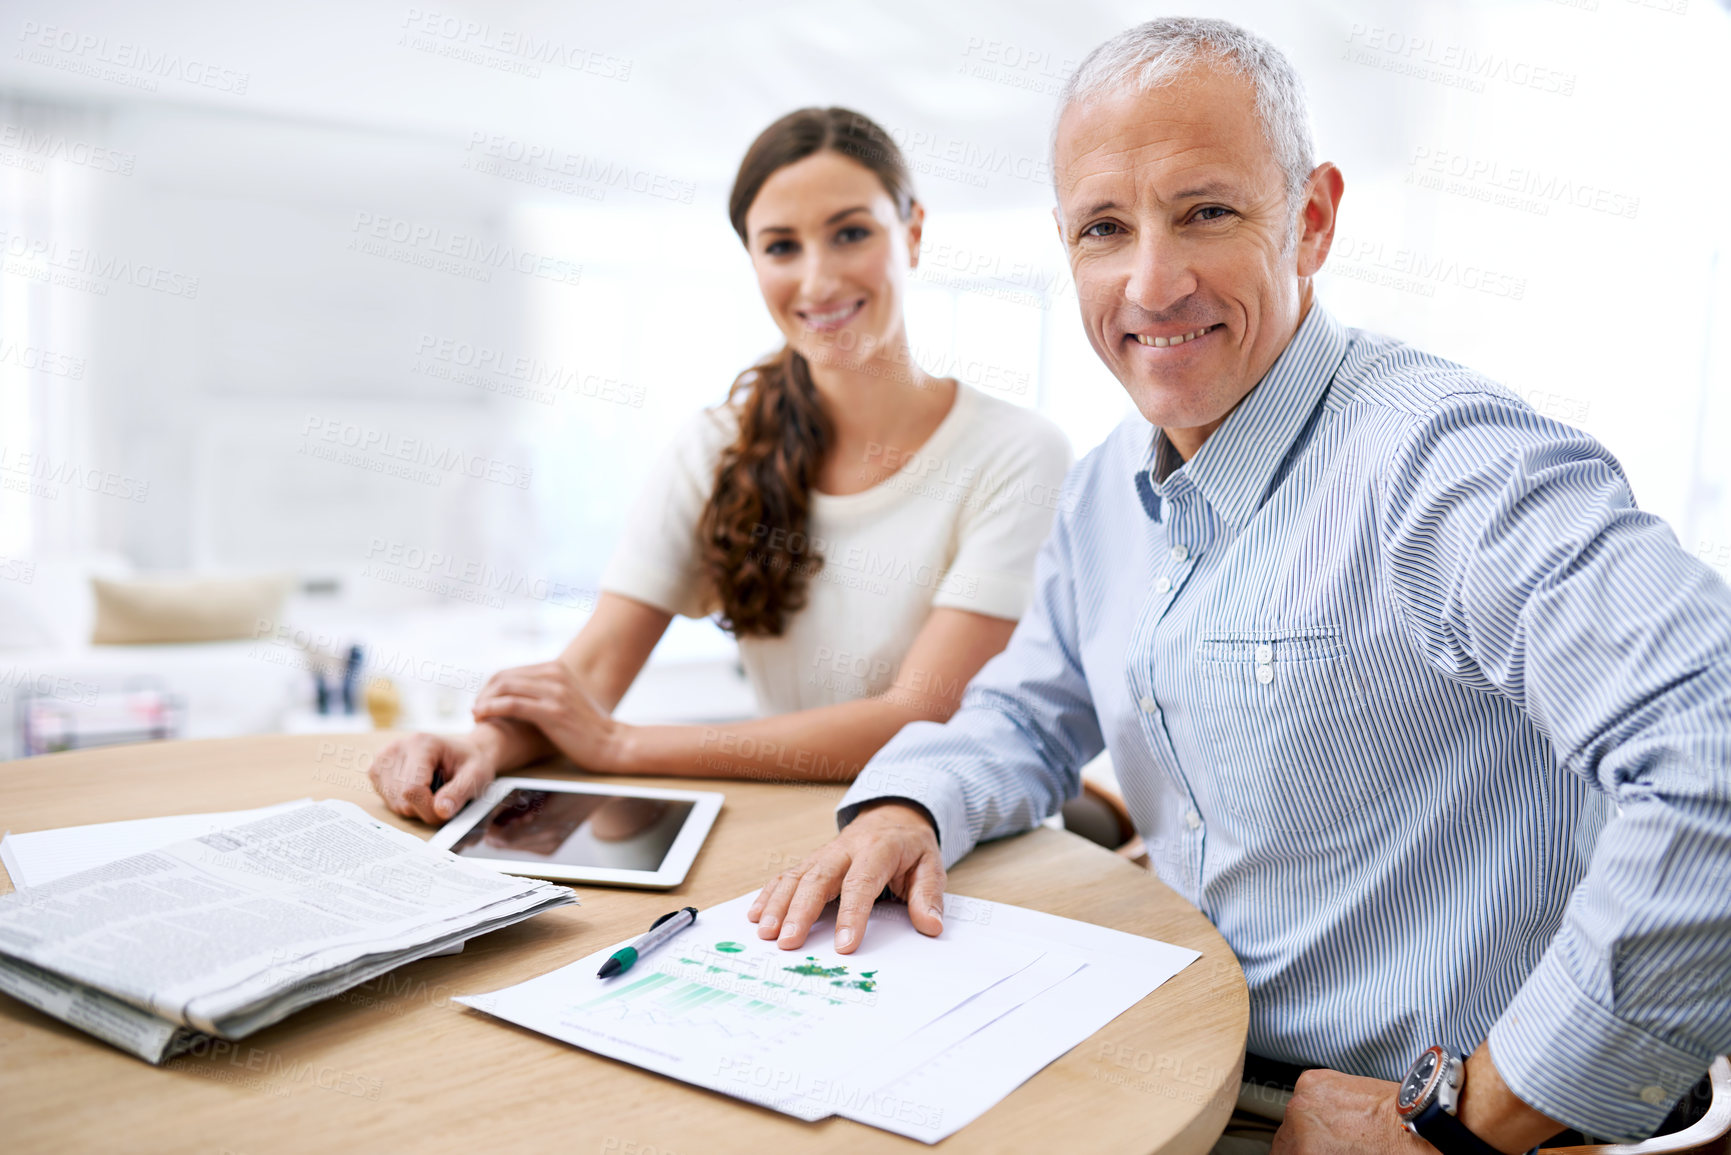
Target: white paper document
[[912, 1034], [940, 1096], [719, 1007], [44, 855]]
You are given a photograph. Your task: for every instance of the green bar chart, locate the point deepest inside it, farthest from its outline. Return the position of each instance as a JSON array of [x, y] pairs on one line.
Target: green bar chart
[[668, 1000]]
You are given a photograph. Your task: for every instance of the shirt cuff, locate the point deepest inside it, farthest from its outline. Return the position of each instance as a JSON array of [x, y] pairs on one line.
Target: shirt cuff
[[1577, 1062], [940, 794]]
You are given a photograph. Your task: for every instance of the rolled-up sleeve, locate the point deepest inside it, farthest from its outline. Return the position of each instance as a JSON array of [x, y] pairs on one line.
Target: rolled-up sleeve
[[1522, 567], [1013, 752]]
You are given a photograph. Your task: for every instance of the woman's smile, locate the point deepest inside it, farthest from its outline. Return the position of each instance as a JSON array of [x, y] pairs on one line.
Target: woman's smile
[[827, 318]]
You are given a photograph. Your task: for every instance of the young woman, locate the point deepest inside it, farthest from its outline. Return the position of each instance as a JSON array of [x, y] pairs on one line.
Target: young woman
[[866, 530]]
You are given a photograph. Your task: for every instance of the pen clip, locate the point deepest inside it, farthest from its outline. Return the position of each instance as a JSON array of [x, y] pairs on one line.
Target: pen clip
[[671, 913]]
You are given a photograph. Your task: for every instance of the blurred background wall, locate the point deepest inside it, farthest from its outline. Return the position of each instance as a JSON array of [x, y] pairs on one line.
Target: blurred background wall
[[403, 299]]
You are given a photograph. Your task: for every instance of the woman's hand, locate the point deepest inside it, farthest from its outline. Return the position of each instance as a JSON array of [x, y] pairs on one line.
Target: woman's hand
[[403, 774], [548, 697]]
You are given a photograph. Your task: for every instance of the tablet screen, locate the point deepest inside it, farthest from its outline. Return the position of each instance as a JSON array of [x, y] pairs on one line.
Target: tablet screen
[[581, 830]]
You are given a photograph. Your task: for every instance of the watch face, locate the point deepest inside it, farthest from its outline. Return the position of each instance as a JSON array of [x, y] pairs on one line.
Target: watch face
[[1418, 1081]]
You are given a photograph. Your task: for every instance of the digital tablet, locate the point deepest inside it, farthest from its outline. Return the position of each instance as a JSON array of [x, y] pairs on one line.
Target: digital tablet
[[583, 831]]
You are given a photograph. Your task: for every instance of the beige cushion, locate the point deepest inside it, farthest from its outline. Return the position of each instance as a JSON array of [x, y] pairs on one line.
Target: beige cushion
[[184, 610]]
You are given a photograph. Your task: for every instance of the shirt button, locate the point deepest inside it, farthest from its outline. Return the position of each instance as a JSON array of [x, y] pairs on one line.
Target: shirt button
[[1162, 585], [1193, 820], [1148, 705], [1265, 674], [1264, 654], [1179, 553], [1655, 1096]]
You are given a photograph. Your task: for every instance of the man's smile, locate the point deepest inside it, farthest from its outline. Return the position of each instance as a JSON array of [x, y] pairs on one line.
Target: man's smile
[[1166, 341]]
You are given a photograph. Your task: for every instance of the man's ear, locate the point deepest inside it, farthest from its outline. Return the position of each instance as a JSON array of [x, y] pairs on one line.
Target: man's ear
[[1317, 217], [916, 227], [1059, 222]]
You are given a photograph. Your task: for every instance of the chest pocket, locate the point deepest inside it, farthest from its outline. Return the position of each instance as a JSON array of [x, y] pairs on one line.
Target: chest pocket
[[1283, 714]]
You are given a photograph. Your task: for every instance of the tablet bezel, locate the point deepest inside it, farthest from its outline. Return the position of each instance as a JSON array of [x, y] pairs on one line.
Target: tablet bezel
[[675, 864]]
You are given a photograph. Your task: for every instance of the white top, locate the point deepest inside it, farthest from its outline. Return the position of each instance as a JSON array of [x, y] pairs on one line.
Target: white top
[[957, 525]]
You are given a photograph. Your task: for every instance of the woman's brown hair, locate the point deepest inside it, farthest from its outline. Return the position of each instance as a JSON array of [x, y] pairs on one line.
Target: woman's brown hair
[[753, 542]]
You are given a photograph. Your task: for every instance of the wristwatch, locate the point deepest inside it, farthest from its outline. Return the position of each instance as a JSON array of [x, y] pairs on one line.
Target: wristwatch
[[1427, 1100]]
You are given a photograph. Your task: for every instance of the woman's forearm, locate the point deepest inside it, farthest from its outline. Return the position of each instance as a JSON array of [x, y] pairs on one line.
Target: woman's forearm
[[825, 744], [510, 744]]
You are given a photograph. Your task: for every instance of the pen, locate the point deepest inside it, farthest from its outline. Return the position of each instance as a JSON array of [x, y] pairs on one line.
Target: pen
[[659, 932]]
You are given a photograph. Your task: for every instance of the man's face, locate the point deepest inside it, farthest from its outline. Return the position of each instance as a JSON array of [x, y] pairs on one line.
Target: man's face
[[1192, 271]]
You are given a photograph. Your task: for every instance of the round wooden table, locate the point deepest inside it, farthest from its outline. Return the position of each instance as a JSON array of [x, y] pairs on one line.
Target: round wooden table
[[395, 1065]]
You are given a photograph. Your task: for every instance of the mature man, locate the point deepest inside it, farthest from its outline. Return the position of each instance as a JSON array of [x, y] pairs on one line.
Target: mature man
[[1403, 691]]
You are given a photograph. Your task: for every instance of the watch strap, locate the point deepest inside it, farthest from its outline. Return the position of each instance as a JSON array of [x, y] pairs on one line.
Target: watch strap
[[1448, 1134]]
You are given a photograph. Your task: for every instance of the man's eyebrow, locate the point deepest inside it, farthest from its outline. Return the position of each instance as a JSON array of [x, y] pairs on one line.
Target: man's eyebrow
[[1099, 207], [833, 218], [1223, 190], [1213, 188]]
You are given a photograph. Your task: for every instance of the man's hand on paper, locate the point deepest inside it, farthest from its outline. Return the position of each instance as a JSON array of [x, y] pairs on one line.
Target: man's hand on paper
[[888, 843], [403, 773]]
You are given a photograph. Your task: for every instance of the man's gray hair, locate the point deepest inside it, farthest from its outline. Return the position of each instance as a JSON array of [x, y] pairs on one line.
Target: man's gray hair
[[1153, 54]]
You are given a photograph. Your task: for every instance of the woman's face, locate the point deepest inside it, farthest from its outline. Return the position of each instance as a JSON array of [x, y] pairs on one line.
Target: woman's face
[[832, 259]]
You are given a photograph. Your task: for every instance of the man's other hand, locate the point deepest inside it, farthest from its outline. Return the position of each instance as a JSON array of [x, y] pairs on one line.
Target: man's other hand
[[888, 843], [1335, 1114]]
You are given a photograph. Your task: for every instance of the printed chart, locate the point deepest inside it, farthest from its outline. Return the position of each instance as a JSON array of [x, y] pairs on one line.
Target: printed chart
[[724, 1009]]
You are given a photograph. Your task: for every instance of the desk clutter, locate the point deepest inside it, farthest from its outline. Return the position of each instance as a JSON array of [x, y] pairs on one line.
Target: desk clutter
[[156, 934], [226, 932]]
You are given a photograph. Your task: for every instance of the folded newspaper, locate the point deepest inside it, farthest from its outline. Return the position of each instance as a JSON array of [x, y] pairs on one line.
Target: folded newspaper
[[228, 933]]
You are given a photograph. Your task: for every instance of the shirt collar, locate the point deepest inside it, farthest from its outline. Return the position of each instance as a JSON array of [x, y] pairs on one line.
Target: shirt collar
[[1234, 466]]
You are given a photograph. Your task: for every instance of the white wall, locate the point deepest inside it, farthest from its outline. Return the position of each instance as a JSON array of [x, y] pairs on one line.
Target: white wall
[[1615, 319]]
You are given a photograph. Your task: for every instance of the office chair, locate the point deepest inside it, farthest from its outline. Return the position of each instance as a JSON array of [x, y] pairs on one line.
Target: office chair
[[1099, 815], [1705, 1136]]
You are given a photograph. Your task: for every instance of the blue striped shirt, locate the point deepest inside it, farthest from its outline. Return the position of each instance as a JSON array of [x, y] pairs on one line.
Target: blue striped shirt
[[1406, 695]]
